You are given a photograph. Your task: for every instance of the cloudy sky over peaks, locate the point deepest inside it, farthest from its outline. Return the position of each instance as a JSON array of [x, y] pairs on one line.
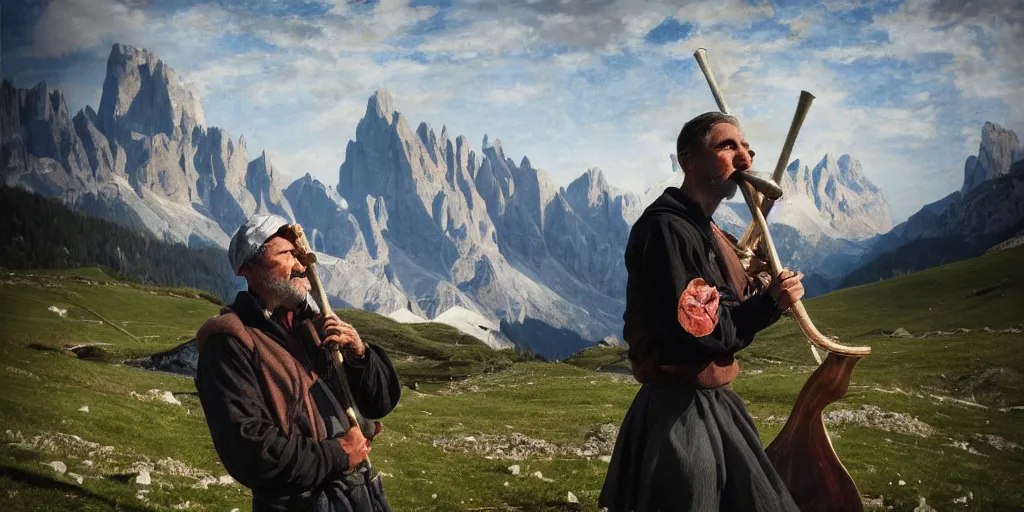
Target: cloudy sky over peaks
[[902, 86]]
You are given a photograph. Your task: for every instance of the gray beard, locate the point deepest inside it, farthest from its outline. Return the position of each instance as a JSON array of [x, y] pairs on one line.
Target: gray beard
[[284, 293]]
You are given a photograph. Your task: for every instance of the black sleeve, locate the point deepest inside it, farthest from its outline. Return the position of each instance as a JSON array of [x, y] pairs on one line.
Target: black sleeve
[[374, 382], [672, 256], [251, 447]]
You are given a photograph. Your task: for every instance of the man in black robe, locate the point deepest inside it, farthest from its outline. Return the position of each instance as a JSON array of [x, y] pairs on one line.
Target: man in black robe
[[687, 442]]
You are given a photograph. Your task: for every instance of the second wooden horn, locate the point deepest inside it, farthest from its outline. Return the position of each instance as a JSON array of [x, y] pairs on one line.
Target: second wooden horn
[[749, 194], [749, 239]]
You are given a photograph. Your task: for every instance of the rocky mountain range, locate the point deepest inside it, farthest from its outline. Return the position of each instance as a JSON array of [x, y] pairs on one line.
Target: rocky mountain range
[[418, 222], [987, 210]]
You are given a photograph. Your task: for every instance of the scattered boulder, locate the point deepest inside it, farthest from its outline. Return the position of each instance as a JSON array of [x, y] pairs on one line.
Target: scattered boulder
[[965, 446], [89, 351], [181, 360], [58, 466], [599, 441], [999, 443], [515, 446], [155, 395], [899, 333], [874, 417], [999, 386], [923, 506], [205, 482], [60, 311]]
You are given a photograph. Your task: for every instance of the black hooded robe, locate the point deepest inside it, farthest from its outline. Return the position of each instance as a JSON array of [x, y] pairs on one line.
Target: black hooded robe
[[682, 447]]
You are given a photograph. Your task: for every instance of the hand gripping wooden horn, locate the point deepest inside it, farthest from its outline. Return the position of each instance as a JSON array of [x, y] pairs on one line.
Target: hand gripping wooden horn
[[802, 452], [308, 259]]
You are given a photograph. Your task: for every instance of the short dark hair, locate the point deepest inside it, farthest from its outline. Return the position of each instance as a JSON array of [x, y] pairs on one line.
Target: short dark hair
[[696, 133]]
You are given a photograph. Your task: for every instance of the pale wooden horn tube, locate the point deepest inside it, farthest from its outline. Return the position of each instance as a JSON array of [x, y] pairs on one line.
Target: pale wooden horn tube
[[799, 313], [749, 238]]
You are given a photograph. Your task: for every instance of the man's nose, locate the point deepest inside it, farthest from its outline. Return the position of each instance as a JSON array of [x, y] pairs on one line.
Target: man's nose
[[743, 159]]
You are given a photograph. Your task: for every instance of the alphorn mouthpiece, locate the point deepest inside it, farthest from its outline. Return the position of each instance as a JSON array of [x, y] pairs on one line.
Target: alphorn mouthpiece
[[768, 188]]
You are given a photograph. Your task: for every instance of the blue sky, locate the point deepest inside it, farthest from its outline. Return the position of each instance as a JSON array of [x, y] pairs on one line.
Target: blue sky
[[902, 86]]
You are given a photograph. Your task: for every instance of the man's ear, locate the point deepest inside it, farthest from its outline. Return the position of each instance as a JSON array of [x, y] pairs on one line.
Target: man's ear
[[685, 162], [247, 270]]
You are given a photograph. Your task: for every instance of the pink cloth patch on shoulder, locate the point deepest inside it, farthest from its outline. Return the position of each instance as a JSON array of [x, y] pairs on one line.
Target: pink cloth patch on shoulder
[[698, 308]]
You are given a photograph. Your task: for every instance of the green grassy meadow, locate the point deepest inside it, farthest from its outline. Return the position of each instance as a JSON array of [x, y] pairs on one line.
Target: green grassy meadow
[[937, 417]]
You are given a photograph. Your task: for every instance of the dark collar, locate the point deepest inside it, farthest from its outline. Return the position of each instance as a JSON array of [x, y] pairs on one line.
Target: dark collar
[[674, 199], [251, 310]]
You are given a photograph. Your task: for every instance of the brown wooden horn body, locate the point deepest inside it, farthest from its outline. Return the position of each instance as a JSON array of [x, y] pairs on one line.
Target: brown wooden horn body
[[802, 452]]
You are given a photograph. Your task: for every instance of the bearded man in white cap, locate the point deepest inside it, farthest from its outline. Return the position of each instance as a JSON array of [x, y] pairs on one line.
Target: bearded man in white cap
[[270, 395]]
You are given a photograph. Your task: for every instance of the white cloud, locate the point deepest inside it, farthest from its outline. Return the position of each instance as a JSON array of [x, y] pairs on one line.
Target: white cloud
[[517, 94], [724, 11]]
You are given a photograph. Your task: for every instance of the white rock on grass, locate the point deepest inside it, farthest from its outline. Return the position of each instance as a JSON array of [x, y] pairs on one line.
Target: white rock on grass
[[84, 408], [78, 478], [204, 482], [58, 466], [572, 498], [923, 506], [155, 395], [514, 469], [143, 478]]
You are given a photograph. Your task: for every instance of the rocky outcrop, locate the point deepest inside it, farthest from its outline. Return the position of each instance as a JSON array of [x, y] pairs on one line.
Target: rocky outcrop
[[142, 97], [998, 150]]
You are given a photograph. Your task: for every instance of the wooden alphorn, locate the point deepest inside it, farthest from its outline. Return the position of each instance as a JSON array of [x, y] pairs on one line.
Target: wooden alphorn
[[802, 452]]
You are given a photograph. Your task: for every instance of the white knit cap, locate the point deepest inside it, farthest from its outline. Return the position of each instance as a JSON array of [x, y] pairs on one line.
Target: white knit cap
[[250, 236]]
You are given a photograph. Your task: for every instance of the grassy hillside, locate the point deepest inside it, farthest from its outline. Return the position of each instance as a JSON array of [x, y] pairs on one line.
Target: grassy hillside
[[935, 417]]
